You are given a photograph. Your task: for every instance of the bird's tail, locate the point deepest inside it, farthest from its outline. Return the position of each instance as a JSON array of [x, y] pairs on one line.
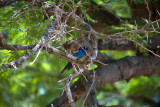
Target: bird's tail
[[64, 69], [68, 66]]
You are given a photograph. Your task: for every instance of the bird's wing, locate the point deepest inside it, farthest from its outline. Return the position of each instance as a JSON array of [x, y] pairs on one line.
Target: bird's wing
[[77, 54]]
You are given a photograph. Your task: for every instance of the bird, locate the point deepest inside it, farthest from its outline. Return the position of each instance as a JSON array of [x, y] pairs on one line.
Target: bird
[[79, 54]]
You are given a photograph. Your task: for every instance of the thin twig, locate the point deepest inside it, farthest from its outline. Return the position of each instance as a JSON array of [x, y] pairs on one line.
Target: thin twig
[[149, 12], [144, 47]]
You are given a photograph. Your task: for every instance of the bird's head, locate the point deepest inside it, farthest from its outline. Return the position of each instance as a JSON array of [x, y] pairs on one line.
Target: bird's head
[[83, 48]]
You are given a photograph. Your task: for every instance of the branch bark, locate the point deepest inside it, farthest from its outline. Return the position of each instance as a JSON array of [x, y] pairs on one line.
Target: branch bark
[[116, 70], [153, 43], [17, 47]]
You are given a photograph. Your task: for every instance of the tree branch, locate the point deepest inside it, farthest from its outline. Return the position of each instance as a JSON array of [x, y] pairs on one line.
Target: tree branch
[[68, 17], [117, 70], [91, 94], [68, 92], [43, 41], [107, 44], [17, 47], [49, 32], [153, 43], [15, 63]]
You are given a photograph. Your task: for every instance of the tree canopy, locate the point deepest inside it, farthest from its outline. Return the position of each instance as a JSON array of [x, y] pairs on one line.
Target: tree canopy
[[39, 37]]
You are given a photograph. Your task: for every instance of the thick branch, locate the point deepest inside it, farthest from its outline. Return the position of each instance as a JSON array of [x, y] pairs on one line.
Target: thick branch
[[103, 44], [103, 16], [122, 69], [107, 44], [117, 41], [91, 95], [16, 47], [153, 43]]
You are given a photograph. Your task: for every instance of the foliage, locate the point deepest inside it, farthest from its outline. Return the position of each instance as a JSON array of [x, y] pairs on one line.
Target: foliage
[[36, 85]]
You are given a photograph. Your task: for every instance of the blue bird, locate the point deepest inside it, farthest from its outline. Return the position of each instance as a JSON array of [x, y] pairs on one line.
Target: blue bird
[[79, 54]]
